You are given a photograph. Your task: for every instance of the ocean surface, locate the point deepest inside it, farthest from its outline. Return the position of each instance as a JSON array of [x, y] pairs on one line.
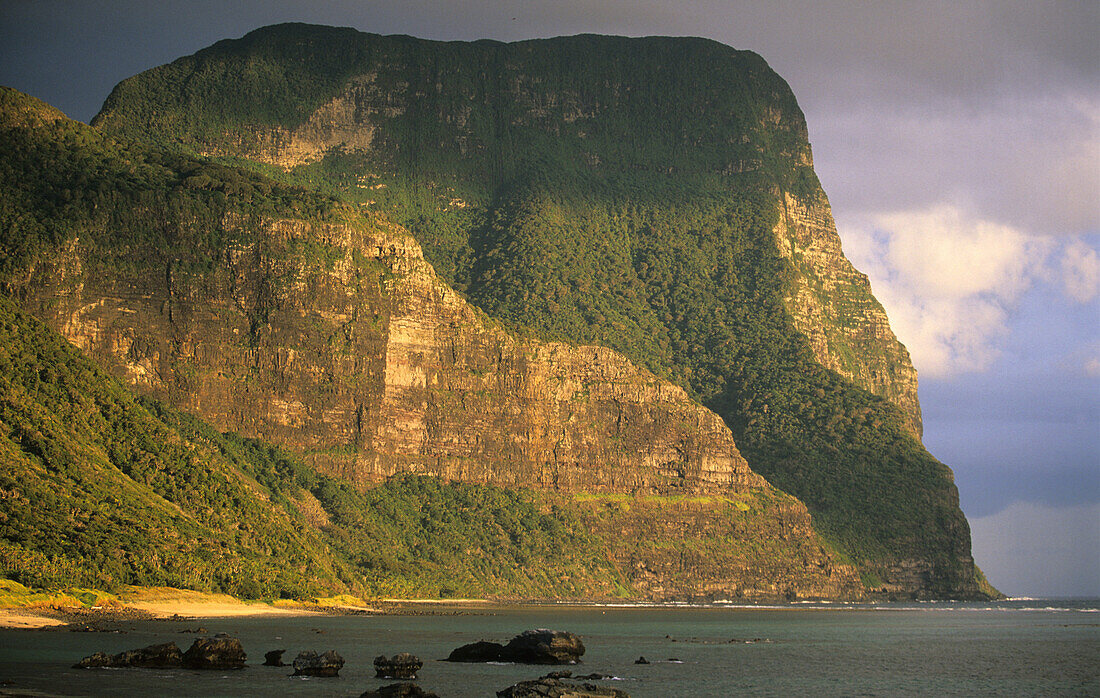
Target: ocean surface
[[1018, 647]]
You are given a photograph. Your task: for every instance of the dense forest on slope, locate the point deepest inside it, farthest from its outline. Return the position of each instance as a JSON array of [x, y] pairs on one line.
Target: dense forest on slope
[[590, 189]]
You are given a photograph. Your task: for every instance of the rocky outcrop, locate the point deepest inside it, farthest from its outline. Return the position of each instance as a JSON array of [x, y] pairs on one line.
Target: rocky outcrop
[[274, 658], [399, 690], [310, 663], [530, 647], [163, 656], [558, 686], [400, 666], [218, 652], [545, 647], [833, 306]]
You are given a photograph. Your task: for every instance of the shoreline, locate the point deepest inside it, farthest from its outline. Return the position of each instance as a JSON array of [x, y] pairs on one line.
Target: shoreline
[[63, 610]]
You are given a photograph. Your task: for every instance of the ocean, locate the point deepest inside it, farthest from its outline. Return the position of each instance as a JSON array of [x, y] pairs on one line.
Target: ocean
[[1019, 647]]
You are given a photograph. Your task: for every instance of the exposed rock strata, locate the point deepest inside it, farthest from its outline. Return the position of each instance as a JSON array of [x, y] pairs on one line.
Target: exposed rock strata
[[832, 305], [339, 341]]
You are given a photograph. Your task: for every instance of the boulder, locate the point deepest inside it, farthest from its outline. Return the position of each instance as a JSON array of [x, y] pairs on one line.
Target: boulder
[[544, 647], [399, 690], [313, 664], [478, 652], [163, 656], [399, 666], [218, 652], [274, 658]]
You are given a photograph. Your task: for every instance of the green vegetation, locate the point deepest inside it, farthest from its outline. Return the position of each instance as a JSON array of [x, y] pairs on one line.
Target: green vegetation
[[596, 189], [62, 179]]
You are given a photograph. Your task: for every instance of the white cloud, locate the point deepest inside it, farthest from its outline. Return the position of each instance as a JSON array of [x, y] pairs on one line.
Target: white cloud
[[1080, 269], [1034, 550], [948, 281]]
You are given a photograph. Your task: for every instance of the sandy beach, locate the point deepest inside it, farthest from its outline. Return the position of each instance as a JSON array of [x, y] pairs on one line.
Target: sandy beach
[[164, 603]]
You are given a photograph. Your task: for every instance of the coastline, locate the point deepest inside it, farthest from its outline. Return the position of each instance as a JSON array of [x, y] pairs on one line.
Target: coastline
[[57, 610]]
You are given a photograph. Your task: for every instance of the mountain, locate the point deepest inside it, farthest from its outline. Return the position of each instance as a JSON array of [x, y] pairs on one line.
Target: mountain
[[430, 451], [652, 196]]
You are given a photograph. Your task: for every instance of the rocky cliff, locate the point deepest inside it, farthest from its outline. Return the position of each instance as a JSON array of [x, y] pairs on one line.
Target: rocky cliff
[[832, 306], [339, 342]]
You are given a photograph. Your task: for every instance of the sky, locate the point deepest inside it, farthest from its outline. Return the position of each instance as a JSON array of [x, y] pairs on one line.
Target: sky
[[959, 144]]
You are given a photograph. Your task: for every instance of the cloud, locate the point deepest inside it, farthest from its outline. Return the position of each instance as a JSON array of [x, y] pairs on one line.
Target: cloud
[[948, 281], [1089, 360], [1034, 550], [1023, 160], [1080, 271]]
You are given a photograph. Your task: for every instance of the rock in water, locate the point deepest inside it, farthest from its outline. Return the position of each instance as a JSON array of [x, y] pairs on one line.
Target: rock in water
[[313, 664], [544, 647], [399, 690], [163, 656], [478, 652], [218, 652], [400, 666], [274, 658], [530, 647], [549, 687]]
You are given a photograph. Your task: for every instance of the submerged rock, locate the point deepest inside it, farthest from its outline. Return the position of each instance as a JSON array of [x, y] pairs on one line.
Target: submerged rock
[[530, 647], [218, 652], [313, 664], [162, 656], [550, 686], [399, 666], [399, 690]]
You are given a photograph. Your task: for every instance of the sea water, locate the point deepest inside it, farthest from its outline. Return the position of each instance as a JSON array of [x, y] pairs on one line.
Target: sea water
[[1010, 648]]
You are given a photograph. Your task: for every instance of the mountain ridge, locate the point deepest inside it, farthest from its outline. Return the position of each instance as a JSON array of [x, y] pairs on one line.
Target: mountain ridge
[[212, 319], [655, 196]]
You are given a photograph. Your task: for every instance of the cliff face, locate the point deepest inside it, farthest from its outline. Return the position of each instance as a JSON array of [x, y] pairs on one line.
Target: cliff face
[[833, 307], [339, 342]]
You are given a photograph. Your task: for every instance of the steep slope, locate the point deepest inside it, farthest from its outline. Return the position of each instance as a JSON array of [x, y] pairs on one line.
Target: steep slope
[[652, 195], [331, 336], [98, 491]]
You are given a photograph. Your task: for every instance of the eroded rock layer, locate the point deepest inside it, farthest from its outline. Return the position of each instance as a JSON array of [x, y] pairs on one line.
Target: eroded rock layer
[[338, 341]]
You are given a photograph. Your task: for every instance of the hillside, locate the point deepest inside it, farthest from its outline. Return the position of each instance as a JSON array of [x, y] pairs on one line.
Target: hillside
[[655, 196], [428, 451]]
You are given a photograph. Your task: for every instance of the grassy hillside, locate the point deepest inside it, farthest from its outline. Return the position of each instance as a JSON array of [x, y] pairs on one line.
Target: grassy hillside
[[599, 190]]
